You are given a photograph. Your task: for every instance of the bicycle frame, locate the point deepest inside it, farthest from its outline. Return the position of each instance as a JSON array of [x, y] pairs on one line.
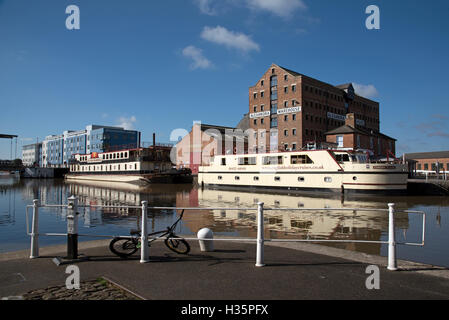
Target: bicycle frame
[[169, 231]]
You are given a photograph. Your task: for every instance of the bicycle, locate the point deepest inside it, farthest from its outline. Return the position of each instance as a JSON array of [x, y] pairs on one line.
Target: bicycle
[[125, 247]]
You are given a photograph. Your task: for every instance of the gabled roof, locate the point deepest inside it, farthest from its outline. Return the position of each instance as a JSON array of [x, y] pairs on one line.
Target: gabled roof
[[296, 74], [344, 86], [346, 129], [226, 132]]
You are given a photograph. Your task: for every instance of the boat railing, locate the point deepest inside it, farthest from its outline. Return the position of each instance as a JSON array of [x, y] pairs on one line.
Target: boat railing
[[73, 207]]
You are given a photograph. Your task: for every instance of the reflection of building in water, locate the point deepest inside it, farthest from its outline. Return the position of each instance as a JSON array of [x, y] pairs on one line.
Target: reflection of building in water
[[107, 194], [336, 225], [8, 199]]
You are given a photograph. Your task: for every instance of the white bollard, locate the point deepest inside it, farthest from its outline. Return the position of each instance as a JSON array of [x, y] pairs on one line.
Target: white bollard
[[35, 231], [392, 263], [144, 254], [260, 237], [206, 245]]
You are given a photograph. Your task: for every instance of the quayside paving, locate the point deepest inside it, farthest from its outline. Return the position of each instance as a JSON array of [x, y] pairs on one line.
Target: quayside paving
[[293, 271]]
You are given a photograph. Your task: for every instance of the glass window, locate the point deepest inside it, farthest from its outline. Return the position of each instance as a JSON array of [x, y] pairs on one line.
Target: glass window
[[247, 161], [272, 160], [300, 159], [340, 141], [293, 88]]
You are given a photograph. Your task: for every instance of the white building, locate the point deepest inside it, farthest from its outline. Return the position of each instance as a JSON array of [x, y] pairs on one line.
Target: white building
[[31, 154]]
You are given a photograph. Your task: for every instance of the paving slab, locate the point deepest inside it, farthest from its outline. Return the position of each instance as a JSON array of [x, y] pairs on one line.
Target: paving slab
[[228, 273]]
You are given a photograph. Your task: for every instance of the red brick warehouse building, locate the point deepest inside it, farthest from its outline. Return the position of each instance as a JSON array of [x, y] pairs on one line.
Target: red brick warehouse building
[[289, 110]]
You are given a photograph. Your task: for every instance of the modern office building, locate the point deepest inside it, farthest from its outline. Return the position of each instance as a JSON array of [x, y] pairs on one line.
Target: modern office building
[[32, 155], [52, 151], [290, 110], [58, 150]]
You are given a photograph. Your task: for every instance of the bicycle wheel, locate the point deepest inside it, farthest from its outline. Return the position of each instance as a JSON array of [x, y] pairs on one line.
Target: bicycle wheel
[[177, 245], [123, 247]]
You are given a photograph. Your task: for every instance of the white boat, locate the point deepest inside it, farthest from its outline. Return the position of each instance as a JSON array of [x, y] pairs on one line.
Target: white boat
[[137, 166], [322, 170]]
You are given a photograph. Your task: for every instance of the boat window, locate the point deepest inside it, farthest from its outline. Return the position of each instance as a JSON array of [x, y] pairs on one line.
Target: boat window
[[244, 161], [362, 159], [121, 154], [223, 161], [256, 178], [220, 177], [300, 159], [277, 178], [342, 157], [272, 160], [237, 178], [301, 179], [327, 179], [126, 154]]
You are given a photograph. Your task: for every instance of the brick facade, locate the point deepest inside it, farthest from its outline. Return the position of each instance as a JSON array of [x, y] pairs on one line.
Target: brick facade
[[323, 108]]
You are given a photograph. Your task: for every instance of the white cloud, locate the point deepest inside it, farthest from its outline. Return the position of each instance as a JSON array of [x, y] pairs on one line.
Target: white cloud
[[199, 61], [230, 39], [282, 8], [367, 91], [127, 123], [206, 7]]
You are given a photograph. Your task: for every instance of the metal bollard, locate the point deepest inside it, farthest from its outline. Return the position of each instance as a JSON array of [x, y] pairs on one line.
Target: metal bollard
[[72, 228], [35, 231], [392, 263], [206, 245], [260, 236], [144, 254]]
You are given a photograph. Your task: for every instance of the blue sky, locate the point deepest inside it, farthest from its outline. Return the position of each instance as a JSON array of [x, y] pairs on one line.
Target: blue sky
[[159, 65]]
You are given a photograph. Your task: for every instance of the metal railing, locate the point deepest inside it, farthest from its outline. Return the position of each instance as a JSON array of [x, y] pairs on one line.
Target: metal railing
[[72, 228]]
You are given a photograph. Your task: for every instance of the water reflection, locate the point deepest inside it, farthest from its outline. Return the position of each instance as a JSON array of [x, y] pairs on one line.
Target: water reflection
[[335, 225], [15, 194]]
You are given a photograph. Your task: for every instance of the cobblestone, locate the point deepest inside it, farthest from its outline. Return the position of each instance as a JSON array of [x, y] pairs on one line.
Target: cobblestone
[[99, 289]]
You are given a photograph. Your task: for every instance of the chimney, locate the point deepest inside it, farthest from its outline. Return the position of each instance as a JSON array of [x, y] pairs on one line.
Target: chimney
[[350, 120], [154, 139]]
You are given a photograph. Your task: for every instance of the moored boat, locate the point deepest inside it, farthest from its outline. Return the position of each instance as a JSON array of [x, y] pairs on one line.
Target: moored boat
[[138, 166], [311, 170]]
